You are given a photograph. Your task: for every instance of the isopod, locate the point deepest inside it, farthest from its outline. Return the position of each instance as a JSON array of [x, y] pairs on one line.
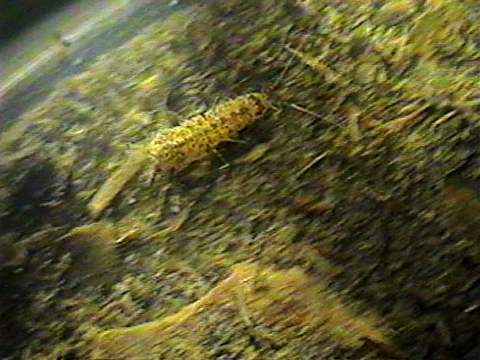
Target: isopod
[[177, 147]]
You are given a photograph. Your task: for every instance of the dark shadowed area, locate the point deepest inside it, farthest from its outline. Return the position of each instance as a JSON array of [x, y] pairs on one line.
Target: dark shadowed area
[[17, 15]]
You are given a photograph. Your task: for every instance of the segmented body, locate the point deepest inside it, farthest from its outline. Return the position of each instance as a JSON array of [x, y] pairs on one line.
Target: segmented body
[[177, 147]]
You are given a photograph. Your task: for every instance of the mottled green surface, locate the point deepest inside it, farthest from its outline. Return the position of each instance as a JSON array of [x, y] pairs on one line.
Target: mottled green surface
[[364, 174]]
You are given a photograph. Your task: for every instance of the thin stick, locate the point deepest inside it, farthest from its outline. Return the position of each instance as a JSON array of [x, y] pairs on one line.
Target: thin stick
[[306, 111], [311, 163]]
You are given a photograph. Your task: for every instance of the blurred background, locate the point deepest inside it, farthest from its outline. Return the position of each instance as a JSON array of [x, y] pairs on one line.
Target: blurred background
[[15, 16], [42, 42]]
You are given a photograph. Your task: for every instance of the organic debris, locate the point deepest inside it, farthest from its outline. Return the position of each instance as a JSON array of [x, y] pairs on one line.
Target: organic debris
[[259, 310], [116, 182]]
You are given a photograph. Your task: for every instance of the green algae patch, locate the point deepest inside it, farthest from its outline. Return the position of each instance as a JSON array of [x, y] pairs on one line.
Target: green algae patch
[[262, 313]]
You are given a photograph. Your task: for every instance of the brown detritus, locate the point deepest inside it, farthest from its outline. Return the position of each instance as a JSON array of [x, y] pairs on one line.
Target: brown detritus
[[115, 183], [287, 306]]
